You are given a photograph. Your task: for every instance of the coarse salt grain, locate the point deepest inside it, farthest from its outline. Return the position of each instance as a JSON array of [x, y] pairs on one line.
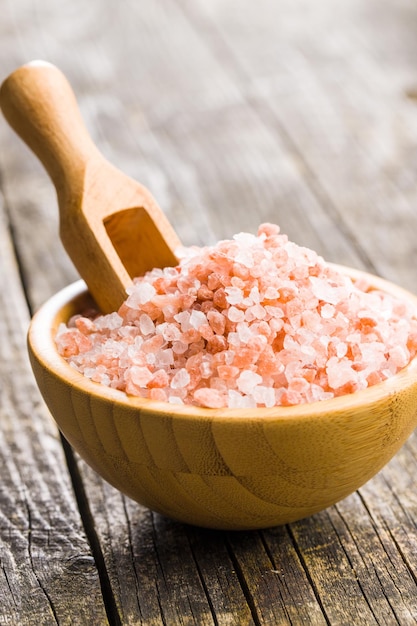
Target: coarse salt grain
[[256, 321]]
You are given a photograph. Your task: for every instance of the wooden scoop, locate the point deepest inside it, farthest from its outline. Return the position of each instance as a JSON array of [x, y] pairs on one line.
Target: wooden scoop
[[110, 225]]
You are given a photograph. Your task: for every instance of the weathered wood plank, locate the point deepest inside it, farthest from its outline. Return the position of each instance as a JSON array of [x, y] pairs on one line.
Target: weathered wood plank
[[341, 90], [163, 572], [47, 571], [275, 579], [233, 113]]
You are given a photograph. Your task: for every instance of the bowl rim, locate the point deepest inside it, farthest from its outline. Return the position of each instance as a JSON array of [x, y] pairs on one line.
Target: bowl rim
[[41, 344]]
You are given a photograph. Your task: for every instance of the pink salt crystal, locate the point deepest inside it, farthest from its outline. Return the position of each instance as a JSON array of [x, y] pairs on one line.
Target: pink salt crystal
[[72, 343], [152, 344], [210, 398], [204, 293], [139, 376], [217, 343], [158, 394], [228, 371], [255, 321], [159, 378], [85, 325]]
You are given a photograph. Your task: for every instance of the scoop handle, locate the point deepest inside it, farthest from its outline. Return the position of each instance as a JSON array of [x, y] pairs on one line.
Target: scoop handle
[[39, 104]]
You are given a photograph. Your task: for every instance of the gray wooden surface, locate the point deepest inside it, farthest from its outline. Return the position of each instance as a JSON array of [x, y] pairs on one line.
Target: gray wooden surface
[[232, 113]]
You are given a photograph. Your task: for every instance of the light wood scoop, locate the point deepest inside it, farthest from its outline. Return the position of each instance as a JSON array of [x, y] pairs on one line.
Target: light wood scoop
[[110, 225]]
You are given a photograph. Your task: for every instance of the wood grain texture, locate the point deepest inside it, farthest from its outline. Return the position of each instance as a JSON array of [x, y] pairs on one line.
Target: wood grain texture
[[232, 113], [46, 564]]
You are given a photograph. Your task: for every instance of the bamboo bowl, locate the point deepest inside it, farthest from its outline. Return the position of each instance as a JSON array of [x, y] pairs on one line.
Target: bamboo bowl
[[223, 469]]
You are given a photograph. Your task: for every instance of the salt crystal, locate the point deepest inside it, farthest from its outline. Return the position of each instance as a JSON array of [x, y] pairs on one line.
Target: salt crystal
[[170, 332], [210, 398], [245, 258], [197, 319], [175, 399], [165, 357], [183, 318], [234, 295], [146, 324], [235, 315], [399, 355], [141, 294], [271, 293], [264, 396], [139, 375], [179, 347], [247, 381], [254, 321], [340, 372], [180, 379], [327, 311], [244, 333], [324, 291], [237, 400]]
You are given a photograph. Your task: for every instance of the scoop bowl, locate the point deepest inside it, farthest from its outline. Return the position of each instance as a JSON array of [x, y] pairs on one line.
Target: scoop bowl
[[226, 468]]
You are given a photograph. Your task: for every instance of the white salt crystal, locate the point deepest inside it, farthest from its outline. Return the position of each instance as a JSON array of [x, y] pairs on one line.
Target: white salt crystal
[[324, 291], [164, 357], [175, 400], [264, 395], [245, 258], [399, 355], [170, 332], [197, 319], [274, 311], [341, 349], [340, 372], [271, 293], [142, 293], [238, 401], [62, 328], [247, 380], [146, 324], [327, 311], [247, 240], [233, 339], [234, 295], [183, 318], [179, 347], [254, 295], [235, 315], [140, 375], [180, 379], [206, 369], [255, 312], [244, 332], [229, 356]]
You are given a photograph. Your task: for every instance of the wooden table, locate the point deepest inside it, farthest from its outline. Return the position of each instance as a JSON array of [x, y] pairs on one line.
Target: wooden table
[[232, 112]]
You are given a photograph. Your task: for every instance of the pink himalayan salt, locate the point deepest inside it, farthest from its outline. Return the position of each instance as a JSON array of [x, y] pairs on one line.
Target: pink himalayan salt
[[256, 321]]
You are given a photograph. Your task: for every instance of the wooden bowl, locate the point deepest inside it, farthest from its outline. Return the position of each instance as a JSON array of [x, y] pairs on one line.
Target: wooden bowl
[[227, 468]]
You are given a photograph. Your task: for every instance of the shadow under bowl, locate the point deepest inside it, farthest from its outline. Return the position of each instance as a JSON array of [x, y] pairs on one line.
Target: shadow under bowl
[[223, 468]]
